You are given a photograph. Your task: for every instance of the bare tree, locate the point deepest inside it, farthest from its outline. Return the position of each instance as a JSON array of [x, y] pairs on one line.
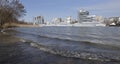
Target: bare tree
[[10, 10]]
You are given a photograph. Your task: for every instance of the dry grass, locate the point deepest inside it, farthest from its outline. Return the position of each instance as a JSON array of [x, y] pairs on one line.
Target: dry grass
[[8, 25]]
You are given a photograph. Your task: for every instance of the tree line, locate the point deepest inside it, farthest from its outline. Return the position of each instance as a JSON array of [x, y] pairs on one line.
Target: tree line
[[11, 11]]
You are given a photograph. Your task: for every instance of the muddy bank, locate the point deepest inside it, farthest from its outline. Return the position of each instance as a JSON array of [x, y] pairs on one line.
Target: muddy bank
[[7, 39]]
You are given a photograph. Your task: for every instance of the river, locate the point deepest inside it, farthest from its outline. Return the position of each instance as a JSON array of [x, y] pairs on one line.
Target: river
[[69, 45]]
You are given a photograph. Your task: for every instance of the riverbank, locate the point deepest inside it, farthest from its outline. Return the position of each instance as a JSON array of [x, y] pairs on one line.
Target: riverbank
[[27, 25], [10, 25]]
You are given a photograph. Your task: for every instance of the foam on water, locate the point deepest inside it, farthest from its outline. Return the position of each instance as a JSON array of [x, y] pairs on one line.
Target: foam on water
[[63, 51]]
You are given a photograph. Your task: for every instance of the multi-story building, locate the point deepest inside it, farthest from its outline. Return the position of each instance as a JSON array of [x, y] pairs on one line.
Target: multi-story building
[[39, 20], [119, 20], [68, 20], [56, 20], [83, 16], [84, 19]]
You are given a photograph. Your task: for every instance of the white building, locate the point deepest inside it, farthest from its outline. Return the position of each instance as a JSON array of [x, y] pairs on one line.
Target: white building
[[83, 16], [68, 20], [119, 19], [84, 19], [56, 20], [38, 20]]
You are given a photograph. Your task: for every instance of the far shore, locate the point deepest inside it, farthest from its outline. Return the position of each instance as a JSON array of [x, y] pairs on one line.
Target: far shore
[[7, 25], [27, 25]]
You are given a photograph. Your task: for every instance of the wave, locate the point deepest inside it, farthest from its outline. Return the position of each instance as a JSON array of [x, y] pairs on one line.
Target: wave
[[85, 42], [74, 38], [67, 52], [103, 56]]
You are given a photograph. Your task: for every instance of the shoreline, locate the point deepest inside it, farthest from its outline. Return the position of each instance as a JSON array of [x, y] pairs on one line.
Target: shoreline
[[11, 25], [25, 25]]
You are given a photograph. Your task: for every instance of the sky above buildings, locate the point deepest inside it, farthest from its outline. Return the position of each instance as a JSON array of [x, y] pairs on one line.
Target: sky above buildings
[[63, 8]]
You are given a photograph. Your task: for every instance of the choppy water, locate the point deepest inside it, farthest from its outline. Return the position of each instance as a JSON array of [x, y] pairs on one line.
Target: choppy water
[[94, 43]]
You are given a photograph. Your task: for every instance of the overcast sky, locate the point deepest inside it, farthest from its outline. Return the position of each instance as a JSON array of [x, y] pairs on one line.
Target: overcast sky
[[62, 8]]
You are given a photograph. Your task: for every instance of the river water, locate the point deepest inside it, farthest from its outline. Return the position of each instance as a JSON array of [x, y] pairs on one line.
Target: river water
[[99, 44]]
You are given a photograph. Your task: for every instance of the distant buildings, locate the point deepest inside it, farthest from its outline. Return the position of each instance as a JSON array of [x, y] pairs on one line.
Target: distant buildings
[[56, 20], [112, 21], [119, 19], [83, 16], [68, 20], [38, 20], [84, 19]]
